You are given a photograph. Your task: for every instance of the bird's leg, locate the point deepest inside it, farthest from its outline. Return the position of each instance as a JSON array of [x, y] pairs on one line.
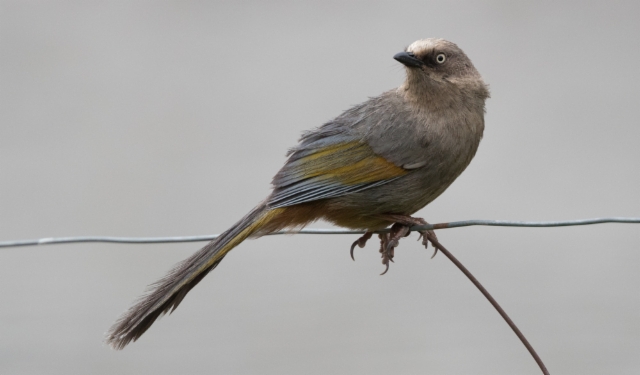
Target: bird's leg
[[389, 241], [411, 221], [361, 242]]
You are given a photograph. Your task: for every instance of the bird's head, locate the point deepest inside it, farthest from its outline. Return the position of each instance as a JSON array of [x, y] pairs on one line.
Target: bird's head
[[437, 63]]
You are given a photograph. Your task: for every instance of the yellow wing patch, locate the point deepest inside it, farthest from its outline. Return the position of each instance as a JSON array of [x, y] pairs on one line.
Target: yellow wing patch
[[349, 163], [331, 171]]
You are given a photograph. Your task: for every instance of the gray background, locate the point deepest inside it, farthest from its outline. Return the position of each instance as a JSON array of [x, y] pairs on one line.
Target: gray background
[[170, 118]]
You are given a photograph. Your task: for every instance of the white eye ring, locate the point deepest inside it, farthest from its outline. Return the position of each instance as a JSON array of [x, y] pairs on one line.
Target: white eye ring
[[441, 58]]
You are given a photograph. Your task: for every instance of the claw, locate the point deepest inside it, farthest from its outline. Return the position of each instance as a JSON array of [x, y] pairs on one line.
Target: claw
[[361, 242], [353, 246], [385, 270], [425, 242], [391, 244]]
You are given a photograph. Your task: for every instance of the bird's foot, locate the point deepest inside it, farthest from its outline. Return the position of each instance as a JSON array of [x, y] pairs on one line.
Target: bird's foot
[[425, 235], [389, 241], [414, 221]]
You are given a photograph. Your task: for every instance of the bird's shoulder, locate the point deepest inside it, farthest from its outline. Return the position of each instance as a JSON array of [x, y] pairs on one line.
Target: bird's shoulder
[[386, 123]]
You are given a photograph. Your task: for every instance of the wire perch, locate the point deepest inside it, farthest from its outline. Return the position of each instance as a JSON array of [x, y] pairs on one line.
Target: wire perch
[[430, 238], [455, 224]]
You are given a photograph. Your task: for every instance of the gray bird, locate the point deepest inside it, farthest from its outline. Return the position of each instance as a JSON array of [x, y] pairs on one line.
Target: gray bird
[[371, 167]]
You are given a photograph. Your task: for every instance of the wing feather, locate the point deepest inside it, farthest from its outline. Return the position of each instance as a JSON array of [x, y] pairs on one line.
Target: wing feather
[[325, 169]]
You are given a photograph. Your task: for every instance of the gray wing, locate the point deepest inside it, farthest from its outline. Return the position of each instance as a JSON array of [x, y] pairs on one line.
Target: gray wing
[[341, 157]]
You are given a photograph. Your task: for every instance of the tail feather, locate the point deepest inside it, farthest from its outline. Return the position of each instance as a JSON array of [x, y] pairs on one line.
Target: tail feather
[[166, 294]]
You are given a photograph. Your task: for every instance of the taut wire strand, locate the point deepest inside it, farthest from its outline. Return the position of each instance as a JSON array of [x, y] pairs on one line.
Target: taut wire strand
[[455, 224]]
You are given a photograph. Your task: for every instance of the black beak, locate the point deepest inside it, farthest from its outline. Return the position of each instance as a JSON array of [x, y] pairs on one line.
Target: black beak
[[408, 59]]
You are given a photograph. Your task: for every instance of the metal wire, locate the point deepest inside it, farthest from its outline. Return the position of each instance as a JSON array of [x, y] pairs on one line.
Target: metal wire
[[455, 224], [492, 301]]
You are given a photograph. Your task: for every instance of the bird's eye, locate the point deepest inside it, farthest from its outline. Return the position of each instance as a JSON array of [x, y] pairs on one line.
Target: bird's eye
[[441, 58]]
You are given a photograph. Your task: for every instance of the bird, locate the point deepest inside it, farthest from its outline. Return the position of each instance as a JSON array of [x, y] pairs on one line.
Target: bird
[[371, 167]]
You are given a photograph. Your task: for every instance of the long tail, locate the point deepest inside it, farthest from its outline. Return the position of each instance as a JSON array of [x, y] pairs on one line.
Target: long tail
[[166, 294]]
